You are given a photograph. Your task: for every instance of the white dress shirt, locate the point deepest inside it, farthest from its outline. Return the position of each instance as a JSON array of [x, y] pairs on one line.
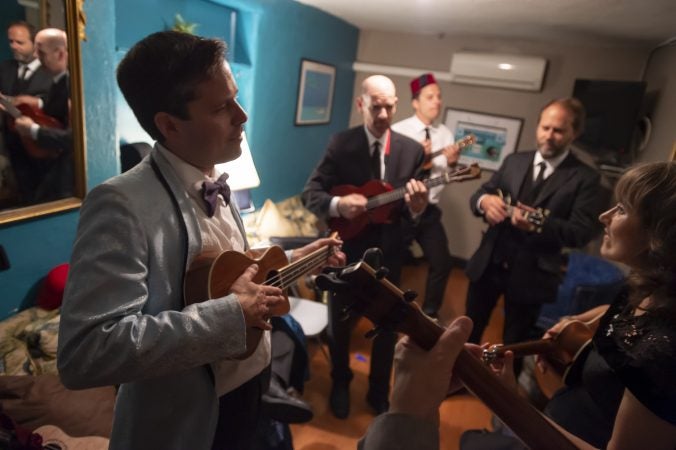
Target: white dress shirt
[[440, 136], [220, 233]]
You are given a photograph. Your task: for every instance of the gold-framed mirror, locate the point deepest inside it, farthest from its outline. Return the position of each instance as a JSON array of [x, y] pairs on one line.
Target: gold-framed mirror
[[43, 169]]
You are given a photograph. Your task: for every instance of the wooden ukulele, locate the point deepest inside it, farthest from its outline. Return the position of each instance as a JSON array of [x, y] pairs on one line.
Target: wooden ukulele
[[537, 218], [390, 309], [560, 352], [40, 118], [211, 276], [382, 199], [464, 142]]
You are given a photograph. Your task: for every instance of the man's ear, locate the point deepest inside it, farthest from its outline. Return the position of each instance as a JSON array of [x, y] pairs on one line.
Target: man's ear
[[167, 124], [359, 101]]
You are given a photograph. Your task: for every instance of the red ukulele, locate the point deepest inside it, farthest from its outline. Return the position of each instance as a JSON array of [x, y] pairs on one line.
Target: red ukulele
[[382, 199], [39, 117]]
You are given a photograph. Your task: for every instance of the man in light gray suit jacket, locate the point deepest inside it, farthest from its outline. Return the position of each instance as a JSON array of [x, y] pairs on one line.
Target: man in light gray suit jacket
[[124, 317]]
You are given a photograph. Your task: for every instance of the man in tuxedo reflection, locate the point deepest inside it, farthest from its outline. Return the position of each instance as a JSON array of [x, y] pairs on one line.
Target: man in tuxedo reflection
[[22, 74], [47, 173]]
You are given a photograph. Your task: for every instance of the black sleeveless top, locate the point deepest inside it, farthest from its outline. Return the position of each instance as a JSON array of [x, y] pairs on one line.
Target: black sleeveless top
[[633, 352]]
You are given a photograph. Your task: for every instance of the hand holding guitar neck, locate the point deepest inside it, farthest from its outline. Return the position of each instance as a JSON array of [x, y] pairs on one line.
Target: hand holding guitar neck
[[390, 309]]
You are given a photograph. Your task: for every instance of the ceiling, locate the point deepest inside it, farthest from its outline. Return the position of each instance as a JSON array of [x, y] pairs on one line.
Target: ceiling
[[641, 22]]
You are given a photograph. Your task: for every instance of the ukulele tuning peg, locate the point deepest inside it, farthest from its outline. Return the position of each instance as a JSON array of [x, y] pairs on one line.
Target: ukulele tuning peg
[[346, 312], [410, 295], [373, 332], [331, 282], [382, 273]]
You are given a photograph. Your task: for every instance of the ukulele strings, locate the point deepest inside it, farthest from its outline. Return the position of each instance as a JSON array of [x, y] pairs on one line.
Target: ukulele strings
[[396, 194], [292, 272]]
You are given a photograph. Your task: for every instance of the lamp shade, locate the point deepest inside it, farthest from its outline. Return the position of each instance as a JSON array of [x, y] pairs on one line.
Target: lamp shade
[[242, 171]]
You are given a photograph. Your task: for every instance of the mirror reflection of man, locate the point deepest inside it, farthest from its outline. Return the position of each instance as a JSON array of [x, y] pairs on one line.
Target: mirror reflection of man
[[22, 74], [48, 174]]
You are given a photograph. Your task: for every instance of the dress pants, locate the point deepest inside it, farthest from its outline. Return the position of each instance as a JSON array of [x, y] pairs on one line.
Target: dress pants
[[482, 296], [431, 236], [239, 413], [388, 238]]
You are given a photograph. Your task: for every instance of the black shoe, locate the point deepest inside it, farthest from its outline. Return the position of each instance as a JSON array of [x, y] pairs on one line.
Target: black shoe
[[278, 404], [379, 403], [339, 400]]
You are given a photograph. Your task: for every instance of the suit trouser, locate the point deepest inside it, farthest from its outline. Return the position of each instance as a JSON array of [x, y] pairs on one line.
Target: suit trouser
[[431, 236], [239, 413], [388, 238], [482, 297]]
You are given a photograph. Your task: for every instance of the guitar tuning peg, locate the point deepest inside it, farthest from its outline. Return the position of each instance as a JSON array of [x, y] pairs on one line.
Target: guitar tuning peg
[[346, 312], [382, 273], [373, 332], [410, 295]]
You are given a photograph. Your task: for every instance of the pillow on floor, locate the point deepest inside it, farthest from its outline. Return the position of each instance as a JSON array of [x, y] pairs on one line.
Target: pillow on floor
[[33, 401]]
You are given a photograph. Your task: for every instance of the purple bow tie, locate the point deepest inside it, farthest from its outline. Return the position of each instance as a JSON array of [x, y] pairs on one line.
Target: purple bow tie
[[210, 191]]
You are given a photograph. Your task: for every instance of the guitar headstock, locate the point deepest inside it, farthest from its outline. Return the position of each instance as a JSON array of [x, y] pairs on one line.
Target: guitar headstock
[[380, 301], [465, 141], [464, 173]]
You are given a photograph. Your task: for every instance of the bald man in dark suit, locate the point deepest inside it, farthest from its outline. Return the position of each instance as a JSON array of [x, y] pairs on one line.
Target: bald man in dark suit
[[355, 156]]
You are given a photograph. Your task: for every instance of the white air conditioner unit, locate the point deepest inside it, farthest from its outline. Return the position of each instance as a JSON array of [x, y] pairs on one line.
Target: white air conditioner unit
[[505, 71]]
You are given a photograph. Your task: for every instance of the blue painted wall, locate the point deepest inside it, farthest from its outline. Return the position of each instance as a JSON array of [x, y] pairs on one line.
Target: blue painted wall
[[271, 38], [36, 246]]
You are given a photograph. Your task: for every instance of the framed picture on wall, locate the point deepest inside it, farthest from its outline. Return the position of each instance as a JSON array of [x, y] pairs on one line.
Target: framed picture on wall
[[495, 136], [315, 93]]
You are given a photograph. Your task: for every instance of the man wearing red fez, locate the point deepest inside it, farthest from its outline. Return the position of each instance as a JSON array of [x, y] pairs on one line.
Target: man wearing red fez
[[429, 232]]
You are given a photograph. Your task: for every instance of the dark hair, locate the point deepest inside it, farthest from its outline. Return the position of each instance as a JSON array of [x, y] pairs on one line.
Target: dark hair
[[28, 26], [574, 107], [161, 72], [649, 191]]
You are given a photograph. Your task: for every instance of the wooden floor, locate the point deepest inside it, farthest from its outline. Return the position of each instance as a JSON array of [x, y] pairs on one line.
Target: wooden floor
[[458, 413]]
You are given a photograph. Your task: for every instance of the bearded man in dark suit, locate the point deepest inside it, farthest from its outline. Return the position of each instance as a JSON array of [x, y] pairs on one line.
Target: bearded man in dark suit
[[355, 156], [515, 258]]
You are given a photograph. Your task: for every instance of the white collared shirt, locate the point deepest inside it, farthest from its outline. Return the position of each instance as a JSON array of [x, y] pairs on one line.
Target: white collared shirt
[[219, 233], [550, 164], [440, 136], [31, 68]]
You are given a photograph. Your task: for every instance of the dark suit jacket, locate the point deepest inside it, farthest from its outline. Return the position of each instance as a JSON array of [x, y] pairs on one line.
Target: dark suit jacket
[[56, 105], [347, 161], [575, 198], [38, 84]]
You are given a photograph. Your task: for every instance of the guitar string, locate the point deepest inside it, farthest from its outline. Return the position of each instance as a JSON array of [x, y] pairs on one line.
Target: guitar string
[[293, 271], [396, 194], [285, 278]]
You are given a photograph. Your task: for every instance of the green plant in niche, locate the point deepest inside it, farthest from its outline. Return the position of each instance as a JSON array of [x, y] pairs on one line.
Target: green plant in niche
[[181, 25]]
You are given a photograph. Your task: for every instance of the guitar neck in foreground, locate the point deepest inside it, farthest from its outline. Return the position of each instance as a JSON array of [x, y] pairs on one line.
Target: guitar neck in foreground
[[386, 306]]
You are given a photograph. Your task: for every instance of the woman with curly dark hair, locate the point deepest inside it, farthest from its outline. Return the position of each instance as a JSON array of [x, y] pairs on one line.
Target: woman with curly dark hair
[[627, 394]]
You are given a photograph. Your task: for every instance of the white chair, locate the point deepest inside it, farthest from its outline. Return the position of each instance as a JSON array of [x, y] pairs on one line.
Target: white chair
[[312, 316]]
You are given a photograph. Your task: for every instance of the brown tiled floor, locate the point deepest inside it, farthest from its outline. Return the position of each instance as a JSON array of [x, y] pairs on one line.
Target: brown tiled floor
[[458, 413]]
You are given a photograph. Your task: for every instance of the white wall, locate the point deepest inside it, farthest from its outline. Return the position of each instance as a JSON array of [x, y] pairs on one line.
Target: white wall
[[566, 63]]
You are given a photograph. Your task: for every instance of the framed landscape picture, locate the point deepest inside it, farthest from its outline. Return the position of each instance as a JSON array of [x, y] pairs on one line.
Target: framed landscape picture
[[315, 93], [495, 136]]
